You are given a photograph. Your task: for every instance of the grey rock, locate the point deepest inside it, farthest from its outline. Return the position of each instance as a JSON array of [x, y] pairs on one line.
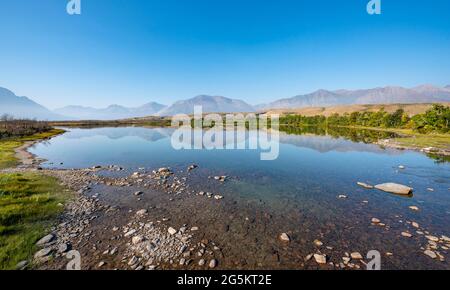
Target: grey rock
[[47, 239], [395, 188]]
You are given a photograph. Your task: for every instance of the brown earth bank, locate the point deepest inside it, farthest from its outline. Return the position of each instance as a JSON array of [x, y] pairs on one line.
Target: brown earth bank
[[410, 109]]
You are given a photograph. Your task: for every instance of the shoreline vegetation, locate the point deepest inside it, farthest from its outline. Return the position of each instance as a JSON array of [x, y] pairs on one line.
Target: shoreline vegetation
[[29, 202]]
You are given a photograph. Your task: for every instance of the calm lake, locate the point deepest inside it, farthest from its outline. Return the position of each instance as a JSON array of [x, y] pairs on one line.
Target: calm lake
[[299, 190]]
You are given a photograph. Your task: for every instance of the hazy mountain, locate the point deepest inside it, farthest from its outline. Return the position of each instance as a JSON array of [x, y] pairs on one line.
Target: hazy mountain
[[386, 95], [112, 112], [448, 87], [24, 108], [210, 104]]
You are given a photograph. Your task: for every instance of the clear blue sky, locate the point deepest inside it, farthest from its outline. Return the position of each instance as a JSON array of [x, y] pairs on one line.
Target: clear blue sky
[[131, 52]]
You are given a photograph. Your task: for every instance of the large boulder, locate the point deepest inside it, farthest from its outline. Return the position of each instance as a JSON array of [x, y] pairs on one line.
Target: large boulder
[[395, 188]]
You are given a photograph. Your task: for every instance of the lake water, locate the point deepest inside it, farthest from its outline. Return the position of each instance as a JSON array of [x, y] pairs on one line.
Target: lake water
[[299, 190]]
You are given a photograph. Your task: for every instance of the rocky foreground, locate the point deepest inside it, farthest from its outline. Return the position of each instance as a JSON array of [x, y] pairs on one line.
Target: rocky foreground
[[154, 219]]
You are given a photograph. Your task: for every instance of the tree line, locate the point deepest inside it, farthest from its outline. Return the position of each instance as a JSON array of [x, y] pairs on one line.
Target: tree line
[[11, 127], [436, 119]]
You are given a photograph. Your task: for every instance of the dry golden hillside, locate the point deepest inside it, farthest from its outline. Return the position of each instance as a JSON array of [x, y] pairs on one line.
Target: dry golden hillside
[[411, 109]]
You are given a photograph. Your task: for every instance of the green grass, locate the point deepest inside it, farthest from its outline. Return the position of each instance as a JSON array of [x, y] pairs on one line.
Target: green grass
[[29, 203], [7, 146], [412, 139], [441, 141]]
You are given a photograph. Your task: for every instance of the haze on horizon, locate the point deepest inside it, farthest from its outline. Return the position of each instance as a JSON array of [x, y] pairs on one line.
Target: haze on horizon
[[134, 52]]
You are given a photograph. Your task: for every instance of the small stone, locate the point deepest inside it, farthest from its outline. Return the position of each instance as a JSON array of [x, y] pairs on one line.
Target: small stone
[[43, 253], [47, 239], [416, 225], [142, 212], [182, 261], [376, 221], [63, 248], [401, 167], [365, 185], [201, 262], [101, 264], [346, 260], [307, 258], [318, 243], [285, 238], [432, 238], [213, 263], [130, 233], [414, 208], [137, 239], [194, 229], [21, 265], [406, 235], [138, 193], [218, 197], [356, 256], [342, 196], [172, 231], [430, 254], [133, 261], [320, 259]]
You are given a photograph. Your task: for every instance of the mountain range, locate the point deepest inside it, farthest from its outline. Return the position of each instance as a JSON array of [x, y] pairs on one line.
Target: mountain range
[[23, 107], [210, 104], [112, 112], [385, 95]]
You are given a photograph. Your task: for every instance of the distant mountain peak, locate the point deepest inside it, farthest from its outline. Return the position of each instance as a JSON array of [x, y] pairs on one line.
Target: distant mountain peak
[[112, 112], [210, 104], [24, 108]]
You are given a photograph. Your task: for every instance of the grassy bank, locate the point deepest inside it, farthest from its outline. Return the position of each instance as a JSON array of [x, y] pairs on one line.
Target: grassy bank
[[7, 146], [29, 203], [413, 139]]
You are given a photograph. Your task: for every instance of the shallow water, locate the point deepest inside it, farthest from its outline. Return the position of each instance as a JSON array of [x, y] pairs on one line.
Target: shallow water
[[298, 190]]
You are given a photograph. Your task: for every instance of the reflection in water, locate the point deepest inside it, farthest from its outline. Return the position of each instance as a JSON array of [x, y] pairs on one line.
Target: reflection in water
[[355, 135]]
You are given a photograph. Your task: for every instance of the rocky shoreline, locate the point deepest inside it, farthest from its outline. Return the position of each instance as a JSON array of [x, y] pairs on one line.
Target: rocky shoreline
[[388, 143]]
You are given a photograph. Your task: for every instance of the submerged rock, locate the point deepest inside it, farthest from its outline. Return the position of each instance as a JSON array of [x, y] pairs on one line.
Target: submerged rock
[[430, 254], [376, 221], [395, 188], [406, 235], [365, 185]]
